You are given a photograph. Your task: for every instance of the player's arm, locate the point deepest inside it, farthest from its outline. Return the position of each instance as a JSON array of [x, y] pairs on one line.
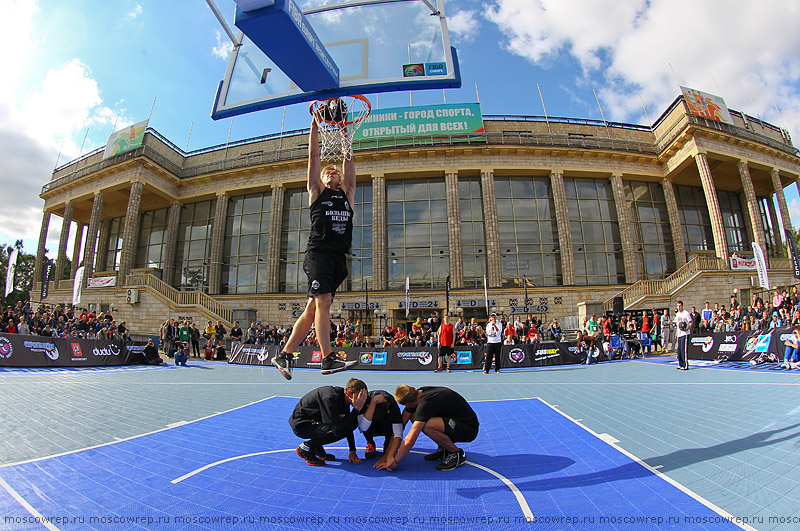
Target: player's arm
[[349, 180], [314, 184], [365, 420], [405, 447]]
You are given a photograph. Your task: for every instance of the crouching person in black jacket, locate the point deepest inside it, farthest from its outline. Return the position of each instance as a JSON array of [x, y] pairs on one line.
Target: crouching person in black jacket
[[323, 416]]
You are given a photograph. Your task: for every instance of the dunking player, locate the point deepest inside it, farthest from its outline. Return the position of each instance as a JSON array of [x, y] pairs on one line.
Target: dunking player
[[323, 416], [441, 414], [330, 197], [381, 417]]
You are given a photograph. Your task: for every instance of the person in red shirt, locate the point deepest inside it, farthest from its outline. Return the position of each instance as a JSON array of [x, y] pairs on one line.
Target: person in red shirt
[[446, 338]]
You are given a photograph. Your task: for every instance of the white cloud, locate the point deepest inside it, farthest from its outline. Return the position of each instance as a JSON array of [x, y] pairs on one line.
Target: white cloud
[[223, 48], [135, 12], [463, 25], [794, 211], [629, 46], [38, 121]]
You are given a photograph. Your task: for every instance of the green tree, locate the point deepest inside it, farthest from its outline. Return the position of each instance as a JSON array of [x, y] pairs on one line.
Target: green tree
[[23, 277]]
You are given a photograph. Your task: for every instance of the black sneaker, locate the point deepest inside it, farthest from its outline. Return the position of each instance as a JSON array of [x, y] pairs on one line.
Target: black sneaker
[[310, 457], [370, 453], [283, 362], [322, 454], [438, 455], [452, 460], [331, 365]]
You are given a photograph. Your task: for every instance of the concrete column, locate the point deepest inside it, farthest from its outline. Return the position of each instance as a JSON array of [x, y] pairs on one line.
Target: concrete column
[[493, 264], [171, 247], [61, 257], [217, 238], [380, 262], [776, 237], [752, 205], [76, 251], [130, 232], [778, 187], [101, 261], [274, 245], [91, 236], [678, 244], [37, 268], [564, 231], [625, 230], [454, 229], [717, 226]]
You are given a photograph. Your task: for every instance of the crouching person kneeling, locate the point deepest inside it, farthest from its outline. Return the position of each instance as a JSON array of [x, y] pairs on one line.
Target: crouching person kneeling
[[323, 416], [441, 414]]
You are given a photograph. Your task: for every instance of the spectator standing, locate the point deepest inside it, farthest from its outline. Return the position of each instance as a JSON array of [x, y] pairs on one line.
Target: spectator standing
[[195, 340], [683, 325], [236, 335], [667, 333]]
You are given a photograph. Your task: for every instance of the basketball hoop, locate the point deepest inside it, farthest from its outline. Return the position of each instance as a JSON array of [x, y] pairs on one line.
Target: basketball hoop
[[337, 120]]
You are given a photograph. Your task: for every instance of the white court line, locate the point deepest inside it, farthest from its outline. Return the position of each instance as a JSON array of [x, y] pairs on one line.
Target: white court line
[[117, 440], [523, 503], [28, 507], [722, 512]]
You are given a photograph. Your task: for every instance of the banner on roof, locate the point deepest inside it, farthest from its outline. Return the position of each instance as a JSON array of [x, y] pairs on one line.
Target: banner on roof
[[447, 119], [126, 139], [706, 105]]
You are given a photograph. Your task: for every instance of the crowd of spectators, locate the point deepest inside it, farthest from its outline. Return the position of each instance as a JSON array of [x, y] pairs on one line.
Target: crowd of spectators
[[57, 321]]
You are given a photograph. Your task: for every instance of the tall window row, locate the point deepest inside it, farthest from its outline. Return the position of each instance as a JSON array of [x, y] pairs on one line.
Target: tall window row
[[417, 234], [647, 208], [596, 242], [244, 268], [528, 233]]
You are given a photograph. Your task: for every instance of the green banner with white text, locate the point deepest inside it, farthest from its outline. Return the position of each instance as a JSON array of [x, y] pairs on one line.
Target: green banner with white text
[[446, 120]]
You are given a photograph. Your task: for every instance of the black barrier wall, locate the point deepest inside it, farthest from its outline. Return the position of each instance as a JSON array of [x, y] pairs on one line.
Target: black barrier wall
[[41, 351], [737, 345], [416, 359]]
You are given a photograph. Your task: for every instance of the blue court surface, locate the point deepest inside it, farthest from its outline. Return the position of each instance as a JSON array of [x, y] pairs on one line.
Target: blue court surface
[[621, 445]]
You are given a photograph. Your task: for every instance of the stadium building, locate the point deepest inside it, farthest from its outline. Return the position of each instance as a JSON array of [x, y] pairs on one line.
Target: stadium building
[[564, 211]]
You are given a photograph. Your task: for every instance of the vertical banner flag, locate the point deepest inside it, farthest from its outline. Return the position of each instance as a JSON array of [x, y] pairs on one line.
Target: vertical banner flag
[[486, 295], [46, 278], [77, 284], [525, 288], [447, 298], [792, 250], [761, 266], [12, 267], [408, 298]]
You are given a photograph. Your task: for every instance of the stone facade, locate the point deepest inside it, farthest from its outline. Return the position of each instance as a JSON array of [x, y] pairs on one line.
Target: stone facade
[[679, 150]]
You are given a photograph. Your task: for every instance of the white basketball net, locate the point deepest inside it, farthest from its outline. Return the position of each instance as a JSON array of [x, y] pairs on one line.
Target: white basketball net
[[338, 120]]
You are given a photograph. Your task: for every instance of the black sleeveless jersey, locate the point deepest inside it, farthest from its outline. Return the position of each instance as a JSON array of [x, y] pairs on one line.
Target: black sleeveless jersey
[[331, 222]]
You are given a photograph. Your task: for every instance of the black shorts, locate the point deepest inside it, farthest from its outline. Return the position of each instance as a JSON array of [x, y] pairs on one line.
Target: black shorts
[[460, 431], [445, 351], [326, 270]]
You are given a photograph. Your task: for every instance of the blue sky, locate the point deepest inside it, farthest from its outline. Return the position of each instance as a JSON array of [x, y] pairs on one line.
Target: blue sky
[[72, 66]]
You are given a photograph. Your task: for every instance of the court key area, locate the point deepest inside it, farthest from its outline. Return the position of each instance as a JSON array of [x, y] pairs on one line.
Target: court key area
[[620, 445]]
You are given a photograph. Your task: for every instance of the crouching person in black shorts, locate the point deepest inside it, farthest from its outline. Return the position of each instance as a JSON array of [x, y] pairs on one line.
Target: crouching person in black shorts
[[323, 416], [381, 418], [441, 414]]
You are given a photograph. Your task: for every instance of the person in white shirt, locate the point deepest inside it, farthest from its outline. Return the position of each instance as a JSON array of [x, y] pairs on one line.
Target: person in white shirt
[[494, 340], [683, 324]]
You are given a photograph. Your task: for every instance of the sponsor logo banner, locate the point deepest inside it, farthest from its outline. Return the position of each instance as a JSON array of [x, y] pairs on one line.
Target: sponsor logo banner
[[101, 282], [39, 351]]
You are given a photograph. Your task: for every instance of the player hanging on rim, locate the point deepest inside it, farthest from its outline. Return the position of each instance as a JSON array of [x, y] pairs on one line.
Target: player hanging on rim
[[330, 198]]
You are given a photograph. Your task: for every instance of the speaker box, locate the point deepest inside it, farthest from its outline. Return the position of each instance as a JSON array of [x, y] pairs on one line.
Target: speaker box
[[618, 305]]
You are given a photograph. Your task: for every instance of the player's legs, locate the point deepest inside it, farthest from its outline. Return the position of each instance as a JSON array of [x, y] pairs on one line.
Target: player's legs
[[434, 429], [284, 359], [322, 322]]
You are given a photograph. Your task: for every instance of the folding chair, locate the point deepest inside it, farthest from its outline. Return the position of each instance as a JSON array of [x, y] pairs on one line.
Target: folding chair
[[645, 341], [616, 346]]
